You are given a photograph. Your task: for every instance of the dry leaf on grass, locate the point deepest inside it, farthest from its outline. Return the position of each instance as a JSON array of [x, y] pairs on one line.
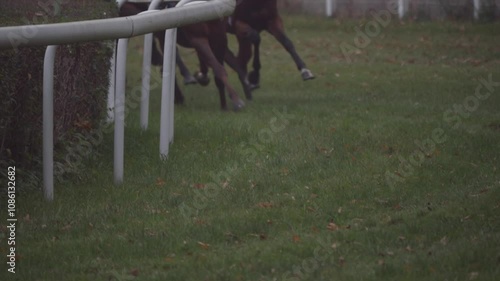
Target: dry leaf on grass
[[332, 227], [160, 182], [204, 246], [265, 204]]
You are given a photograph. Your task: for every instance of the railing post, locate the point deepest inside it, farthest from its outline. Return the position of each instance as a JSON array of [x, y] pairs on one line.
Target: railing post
[[172, 93], [112, 77], [146, 71], [48, 122], [168, 80], [331, 6], [119, 146], [477, 9], [168, 86], [402, 7]]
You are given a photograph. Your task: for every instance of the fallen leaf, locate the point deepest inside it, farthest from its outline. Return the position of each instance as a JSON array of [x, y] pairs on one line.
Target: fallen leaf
[[296, 238], [341, 261], [204, 246], [199, 186], [311, 209], [66, 227], [332, 226], [444, 241], [134, 272], [160, 182], [265, 205], [473, 275], [199, 221]]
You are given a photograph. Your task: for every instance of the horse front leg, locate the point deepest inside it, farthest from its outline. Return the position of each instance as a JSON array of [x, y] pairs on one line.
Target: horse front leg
[[188, 78], [208, 58], [277, 30], [254, 75], [232, 61], [202, 75], [178, 96]]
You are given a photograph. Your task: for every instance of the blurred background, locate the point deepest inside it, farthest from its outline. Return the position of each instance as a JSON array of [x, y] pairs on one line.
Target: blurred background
[[413, 9]]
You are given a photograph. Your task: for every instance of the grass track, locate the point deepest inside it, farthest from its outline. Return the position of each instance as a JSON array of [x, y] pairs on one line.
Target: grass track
[[310, 201]]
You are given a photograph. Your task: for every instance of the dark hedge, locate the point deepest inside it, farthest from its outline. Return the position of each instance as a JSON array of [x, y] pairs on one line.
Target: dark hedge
[[80, 87]]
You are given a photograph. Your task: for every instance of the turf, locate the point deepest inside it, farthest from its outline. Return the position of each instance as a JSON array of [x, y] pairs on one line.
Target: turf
[[385, 167]]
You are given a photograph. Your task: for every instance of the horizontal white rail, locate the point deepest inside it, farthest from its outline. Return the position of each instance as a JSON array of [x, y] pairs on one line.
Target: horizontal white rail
[[96, 30]]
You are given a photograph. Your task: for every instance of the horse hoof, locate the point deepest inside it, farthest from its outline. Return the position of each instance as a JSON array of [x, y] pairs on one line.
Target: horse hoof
[[248, 93], [238, 105], [253, 86], [254, 77], [306, 74], [190, 80], [202, 79]]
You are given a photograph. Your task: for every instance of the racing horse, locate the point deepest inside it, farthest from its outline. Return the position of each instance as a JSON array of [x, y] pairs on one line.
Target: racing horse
[[249, 19], [209, 39]]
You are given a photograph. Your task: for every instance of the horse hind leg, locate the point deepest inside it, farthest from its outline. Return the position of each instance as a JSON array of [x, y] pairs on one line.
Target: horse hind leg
[[222, 93], [276, 29]]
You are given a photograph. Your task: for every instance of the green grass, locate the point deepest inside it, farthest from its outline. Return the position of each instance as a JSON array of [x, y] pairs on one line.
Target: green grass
[[310, 201]]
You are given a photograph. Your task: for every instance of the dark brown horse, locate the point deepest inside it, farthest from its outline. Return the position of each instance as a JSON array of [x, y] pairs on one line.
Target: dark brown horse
[[209, 39], [249, 19]]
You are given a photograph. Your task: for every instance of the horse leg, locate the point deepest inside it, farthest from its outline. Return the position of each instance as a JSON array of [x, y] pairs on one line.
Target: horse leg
[[208, 57], [244, 55], [202, 75], [188, 78], [178, 96], [246, 37], [254, 75], [232, 61], [276, 29], [157, 54]]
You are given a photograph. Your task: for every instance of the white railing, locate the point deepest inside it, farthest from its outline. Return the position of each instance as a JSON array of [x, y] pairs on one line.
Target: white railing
[[403, 6], [106, 29]]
